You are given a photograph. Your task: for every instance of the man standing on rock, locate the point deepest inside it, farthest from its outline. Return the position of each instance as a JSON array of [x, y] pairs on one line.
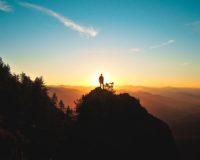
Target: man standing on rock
[[101, 81]]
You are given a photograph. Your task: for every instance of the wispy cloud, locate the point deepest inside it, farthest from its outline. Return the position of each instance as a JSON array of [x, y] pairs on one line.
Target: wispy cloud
[[5, 7], [195, 25], [185, 63], [163, 44], [135, 50], [90, 32]]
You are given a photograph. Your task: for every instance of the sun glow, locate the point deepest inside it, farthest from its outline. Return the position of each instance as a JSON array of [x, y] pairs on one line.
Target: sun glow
[[94, 79]]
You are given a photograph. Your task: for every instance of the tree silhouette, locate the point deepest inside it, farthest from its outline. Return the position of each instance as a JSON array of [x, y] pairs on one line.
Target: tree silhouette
[[109, 86], [69, 113], [29, 116], [54, 99], [61, 105]]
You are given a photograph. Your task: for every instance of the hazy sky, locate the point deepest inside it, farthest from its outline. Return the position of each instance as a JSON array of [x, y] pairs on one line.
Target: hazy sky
[[132, 42]]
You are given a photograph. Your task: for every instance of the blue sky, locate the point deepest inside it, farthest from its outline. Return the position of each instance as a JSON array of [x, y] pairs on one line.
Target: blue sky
[[138, 42]]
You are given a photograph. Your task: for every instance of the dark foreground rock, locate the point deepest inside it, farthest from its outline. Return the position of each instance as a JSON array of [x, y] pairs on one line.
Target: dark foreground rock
[[111, 126]]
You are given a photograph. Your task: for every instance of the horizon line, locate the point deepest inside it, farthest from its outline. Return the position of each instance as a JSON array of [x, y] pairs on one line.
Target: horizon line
[[128, 85]]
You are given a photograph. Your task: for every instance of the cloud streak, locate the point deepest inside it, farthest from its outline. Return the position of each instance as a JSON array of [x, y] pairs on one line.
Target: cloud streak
[[163, 44], [89, 32], [195, 25], [185, 64], [135, 50], [5, 7]]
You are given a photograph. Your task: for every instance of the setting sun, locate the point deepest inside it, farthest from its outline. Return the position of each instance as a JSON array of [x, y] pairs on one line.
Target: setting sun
[[94, 79]]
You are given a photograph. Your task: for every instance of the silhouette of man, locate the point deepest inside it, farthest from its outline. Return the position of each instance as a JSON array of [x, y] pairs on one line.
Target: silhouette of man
[[101, 81]]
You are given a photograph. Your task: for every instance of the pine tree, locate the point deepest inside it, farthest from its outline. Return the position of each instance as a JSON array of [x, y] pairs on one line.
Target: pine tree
[[54, 99], [69, 113], [61, 105]]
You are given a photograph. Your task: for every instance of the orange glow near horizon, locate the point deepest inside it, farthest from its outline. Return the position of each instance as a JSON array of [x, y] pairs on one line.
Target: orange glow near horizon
[[93, 80], [115, 68]]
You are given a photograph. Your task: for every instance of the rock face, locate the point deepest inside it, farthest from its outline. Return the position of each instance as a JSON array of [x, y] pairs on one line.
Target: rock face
[[111, 126]]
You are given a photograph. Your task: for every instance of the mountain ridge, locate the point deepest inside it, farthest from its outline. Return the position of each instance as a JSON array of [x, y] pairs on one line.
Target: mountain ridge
[[117, 126]]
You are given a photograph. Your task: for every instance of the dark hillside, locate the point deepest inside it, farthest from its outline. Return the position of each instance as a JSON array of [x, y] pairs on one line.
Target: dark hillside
[[111, 126]]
